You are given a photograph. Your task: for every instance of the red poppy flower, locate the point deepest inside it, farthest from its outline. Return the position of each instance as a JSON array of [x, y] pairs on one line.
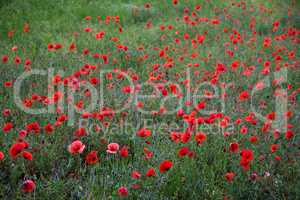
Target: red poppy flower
[[233, 147], [57, 46], [150, 172], [7, 127], [229, 176], [126, 89], [14, 48], [88, 18], [234, 65], [94, 80], [243, 130], [27, 155], [124, 152], [26, 27], [183, 151], [274, 147], [180, 112], [175, 137], [22, 133], [28, 186], [253, 139], [1, 155], [244, 95], [147, 5], [49, 128], [4, 58], [289, 134], [123, 191], [91, 158], [247, 155], [185, 137], [27, 62], [72, 47], [136, 175], [50, 47], [144, 133], [165, 166], [112, 148], [33, 127], [17, 60], [200, 137], [135, 186], [87, 29], [80, 132], [8, 84], [245, 164], [99, 35], [76, 147], [85, 51], [16, 149], [148, 154]]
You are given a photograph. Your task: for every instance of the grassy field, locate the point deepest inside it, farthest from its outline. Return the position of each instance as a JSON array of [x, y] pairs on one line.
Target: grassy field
[[187, 99]]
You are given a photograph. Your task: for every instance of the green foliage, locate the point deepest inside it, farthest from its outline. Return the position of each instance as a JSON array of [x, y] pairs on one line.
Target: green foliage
[[60, 177]]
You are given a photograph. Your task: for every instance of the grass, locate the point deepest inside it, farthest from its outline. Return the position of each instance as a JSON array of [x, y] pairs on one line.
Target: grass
[[59, 175]]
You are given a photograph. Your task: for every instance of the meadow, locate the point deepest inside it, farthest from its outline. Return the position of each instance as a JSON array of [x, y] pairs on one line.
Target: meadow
[[163, 99]]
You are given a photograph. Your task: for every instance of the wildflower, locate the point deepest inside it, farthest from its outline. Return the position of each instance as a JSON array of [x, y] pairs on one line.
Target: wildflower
[[144, 133], [150, 172], [7, 127], [165, 166], [244, 95], [183, 151], [229, 176], [200, 137], [16, 149], [48, 128], [233, 147], [123, 191], [289, 134], [4, 59], [112, 148], [91, 158], [1, 155], [274, 147], [28, 186], [27, 155], [124, 152], [76, 147], [136, 175]]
